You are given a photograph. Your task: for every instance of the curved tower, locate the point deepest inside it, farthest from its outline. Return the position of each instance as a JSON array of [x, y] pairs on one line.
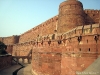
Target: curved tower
[[71, 15]]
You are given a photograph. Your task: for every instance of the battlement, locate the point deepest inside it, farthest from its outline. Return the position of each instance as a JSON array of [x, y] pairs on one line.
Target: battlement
[[10, 40], [44, 28], [50, 51], [59, 42], [86, 30], [93, 11], [47, 22]]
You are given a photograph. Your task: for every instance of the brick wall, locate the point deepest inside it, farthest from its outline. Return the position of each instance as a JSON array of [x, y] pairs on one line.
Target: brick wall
[[92, 16], [5, 61], [10, 40], [58, 55], [46, 28]]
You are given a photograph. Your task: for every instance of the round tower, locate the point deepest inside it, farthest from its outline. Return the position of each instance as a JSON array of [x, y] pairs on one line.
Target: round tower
[[71, 15]]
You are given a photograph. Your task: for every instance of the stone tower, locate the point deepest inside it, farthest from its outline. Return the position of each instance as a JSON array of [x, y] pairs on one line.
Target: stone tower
[[71, 15]]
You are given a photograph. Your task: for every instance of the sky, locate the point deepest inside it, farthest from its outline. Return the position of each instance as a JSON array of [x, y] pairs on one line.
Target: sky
[[19, 16]]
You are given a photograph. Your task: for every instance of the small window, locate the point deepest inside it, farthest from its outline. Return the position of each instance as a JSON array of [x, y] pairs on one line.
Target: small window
[[89, 49], [93, 14], [87, 40], [80, 49]]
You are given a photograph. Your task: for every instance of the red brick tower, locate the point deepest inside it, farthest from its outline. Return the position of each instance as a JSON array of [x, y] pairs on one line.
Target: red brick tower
[[71, 15]]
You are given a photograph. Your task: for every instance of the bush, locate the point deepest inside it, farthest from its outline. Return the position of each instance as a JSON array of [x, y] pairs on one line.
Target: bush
[[3, 48]]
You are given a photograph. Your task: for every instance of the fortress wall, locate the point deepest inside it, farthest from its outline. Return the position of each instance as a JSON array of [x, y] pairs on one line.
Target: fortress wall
[[79, 33], [10, 40], [46, 58], [60, 56], [9, 49], [92, 16], [21, 49], [82, 51], [45, 28]]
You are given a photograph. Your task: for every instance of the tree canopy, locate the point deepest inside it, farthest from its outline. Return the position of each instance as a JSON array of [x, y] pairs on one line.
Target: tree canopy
[[3, 48]]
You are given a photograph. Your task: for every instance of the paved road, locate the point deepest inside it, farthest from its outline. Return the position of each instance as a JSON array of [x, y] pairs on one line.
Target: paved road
[[9, 70], [25, 71]]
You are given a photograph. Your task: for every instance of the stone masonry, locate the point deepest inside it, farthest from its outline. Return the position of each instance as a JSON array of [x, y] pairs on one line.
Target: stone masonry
[[67, 43]]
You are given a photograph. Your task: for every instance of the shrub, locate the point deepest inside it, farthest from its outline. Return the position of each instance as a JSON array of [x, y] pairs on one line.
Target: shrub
[[3, 48]]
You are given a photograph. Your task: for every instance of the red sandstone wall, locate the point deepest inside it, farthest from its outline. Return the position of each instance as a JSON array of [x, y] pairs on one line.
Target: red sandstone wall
[[9, 49], [5, 61], [45, 28], [71, 15], [21, 49], [92, 16], [10, 40], [46, 58], [60, 58], [77, 56]]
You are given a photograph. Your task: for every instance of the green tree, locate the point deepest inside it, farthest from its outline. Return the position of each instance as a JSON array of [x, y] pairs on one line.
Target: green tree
[[3, 48]]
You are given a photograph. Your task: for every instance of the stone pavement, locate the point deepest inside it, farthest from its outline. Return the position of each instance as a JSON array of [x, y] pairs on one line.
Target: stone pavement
[[25, 71], [9, 70]]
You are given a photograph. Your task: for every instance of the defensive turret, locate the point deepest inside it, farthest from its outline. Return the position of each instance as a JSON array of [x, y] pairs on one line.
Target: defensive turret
[[71, 15]]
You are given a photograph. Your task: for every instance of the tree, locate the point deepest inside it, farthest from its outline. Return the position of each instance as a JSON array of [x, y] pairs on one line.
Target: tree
[[3, 48]]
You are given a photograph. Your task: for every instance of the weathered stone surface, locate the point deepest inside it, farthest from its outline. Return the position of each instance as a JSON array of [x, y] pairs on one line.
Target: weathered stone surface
[[62, 45]]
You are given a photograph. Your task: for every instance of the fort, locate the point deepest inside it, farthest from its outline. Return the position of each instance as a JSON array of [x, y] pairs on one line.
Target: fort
[[63, 45]]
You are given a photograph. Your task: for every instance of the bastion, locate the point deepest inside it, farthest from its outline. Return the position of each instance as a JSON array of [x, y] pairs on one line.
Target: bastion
[[66, 43]]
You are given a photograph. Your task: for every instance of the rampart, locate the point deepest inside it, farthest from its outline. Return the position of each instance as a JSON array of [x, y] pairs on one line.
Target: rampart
[[62, 45], [92, 16], [50, 55], [10, 41], [46, 28]]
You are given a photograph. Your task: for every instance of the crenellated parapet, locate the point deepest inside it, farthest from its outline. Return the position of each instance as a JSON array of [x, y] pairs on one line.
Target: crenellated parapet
[[46, 28], [50, 52], [92, 11], [92, 16], [62, 45], [79, 44], [10, 40], [79, 33]]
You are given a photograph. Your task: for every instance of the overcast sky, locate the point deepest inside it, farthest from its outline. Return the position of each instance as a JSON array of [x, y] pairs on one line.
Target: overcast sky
[[18, 16]]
